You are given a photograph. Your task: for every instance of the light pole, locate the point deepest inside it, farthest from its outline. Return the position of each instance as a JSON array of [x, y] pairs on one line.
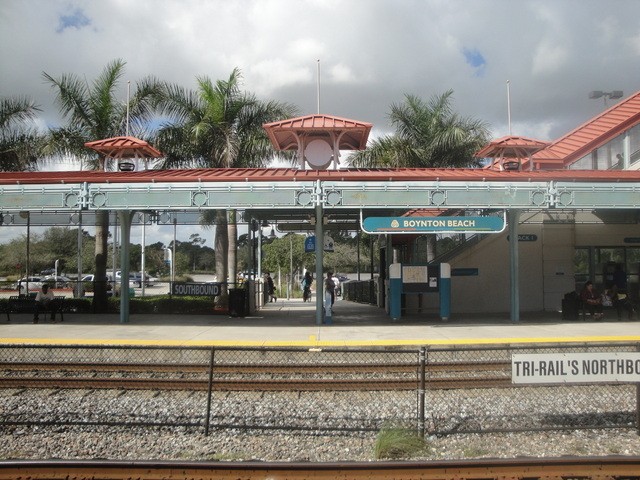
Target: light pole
[[615, 94], [290, 289]]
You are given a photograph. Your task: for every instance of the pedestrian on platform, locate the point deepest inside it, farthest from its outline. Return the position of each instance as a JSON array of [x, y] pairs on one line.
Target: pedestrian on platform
[[592, 300], [45, 301]]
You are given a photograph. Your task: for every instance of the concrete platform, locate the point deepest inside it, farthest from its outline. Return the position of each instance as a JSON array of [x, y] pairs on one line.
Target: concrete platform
[[292, 323]]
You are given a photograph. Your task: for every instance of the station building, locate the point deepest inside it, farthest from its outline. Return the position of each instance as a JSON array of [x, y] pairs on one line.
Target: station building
[[559, 249], [573, 206]]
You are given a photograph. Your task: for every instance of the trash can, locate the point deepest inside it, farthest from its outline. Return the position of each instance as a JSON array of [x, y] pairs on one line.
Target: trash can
[[237, 302], [571, 306]]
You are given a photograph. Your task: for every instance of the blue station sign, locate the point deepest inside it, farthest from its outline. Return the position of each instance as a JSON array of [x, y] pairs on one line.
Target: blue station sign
[[433, 224], [310, 244]]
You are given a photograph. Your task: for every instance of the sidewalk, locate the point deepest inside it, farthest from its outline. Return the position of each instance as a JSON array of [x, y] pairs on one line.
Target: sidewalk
[[292, 323]]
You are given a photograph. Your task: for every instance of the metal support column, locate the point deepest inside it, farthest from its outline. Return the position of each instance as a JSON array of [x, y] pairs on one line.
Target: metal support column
[[125, 247], [319, 230], [513, 219], [319, 262]]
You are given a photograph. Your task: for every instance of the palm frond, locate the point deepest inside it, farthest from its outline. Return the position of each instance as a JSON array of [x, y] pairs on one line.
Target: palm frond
[[15, 111]]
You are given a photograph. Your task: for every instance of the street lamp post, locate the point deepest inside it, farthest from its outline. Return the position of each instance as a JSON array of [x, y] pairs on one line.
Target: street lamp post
[[615, 94]]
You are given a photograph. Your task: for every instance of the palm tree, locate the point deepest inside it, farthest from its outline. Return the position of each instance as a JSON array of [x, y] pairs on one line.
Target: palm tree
[[218, 126], [19, 140], [427, 135], [93, 112]]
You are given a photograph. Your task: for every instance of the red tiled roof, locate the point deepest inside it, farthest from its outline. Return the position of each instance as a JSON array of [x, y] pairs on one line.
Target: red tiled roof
[[512, 147], [292, 175], [432, 212], [592, 134], [124, 147], [352, 133]]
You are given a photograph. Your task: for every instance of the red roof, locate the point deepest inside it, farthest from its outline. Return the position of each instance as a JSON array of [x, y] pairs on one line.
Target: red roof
[[592, 134], [124, 147], [293, 175], [511, 147], [352, 134]]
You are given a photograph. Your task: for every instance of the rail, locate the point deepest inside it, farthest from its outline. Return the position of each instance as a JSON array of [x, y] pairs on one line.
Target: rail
[[584, 468]]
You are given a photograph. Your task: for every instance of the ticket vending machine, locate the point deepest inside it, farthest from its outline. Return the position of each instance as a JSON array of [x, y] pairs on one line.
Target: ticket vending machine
[[416, 279]]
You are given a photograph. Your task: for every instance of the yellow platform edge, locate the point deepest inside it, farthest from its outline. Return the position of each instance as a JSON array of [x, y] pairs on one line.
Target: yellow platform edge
[[321, 343]]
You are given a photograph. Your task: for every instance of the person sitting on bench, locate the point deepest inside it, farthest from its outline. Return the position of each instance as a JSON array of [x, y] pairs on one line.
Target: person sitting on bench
[[592, 301], [45, 301]]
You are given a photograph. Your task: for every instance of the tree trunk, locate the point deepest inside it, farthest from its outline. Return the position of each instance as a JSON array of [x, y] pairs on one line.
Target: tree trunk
[[221, 251], [100, 271], [233, 245]]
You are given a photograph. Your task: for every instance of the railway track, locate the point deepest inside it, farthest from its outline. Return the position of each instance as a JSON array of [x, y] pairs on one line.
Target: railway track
[[262, 377], [583, 468]]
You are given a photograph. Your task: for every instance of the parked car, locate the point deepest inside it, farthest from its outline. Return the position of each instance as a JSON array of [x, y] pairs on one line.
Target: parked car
[[35, 283], [59, 281], [88, 282], [135, 278]]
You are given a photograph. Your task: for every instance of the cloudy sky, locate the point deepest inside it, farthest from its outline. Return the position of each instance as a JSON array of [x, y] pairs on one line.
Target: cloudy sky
[[371, 52]]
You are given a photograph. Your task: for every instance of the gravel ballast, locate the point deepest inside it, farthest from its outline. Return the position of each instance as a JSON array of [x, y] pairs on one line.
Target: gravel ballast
[[155, 444]]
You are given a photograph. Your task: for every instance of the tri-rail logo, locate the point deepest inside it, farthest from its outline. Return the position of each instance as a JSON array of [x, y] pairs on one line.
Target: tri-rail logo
[[576, 367]]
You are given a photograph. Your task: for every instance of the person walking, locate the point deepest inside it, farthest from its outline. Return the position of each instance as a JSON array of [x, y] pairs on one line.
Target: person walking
[[330, 287], [271, 289], [307, 281]]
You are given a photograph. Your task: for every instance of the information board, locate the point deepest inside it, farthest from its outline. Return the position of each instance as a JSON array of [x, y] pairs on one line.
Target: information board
[[420, 278]]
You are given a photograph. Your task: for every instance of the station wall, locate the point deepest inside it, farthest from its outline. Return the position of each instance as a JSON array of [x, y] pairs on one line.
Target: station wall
[[546, 266]]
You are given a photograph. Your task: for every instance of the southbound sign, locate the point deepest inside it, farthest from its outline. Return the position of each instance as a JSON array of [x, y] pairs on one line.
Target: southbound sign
[[575, 367], [433, 224], [195, 289]]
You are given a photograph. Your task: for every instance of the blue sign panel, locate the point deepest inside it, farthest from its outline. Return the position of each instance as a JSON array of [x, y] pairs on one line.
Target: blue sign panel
[[310, 244], [464, 272], [525, 237], [433, 224]]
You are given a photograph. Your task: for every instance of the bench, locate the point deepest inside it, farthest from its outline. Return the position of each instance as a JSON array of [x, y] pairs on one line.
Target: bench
[[27, 304], [623, 311]]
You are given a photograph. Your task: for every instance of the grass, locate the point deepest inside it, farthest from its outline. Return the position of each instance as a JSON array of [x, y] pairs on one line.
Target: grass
[[474, 451], [399, 443]]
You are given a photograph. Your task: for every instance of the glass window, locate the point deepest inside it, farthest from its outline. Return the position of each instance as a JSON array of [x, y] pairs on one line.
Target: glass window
[[608, 255], [585, 163], [634, 141], [581, 267]]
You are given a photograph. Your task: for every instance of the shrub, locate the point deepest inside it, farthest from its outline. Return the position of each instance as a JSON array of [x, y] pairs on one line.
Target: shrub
[[165, 304], [399, 443]]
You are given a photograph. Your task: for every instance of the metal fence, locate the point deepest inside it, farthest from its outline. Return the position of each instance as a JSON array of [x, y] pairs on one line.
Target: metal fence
[[435, 390], [361, 291]]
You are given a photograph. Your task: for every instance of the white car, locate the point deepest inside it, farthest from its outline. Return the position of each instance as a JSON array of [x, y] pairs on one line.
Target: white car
[[135, 278], [35, 283]]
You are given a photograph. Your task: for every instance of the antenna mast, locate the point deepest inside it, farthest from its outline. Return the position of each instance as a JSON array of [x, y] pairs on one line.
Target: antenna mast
[[509, 104], [128, 97], [318, 85]]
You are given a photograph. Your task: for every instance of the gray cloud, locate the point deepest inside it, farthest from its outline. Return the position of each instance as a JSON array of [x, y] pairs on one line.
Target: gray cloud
[[372, 52]]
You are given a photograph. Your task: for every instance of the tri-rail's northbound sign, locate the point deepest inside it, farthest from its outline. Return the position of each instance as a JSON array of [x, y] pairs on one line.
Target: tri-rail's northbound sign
[[433, 224], [575, 367]]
